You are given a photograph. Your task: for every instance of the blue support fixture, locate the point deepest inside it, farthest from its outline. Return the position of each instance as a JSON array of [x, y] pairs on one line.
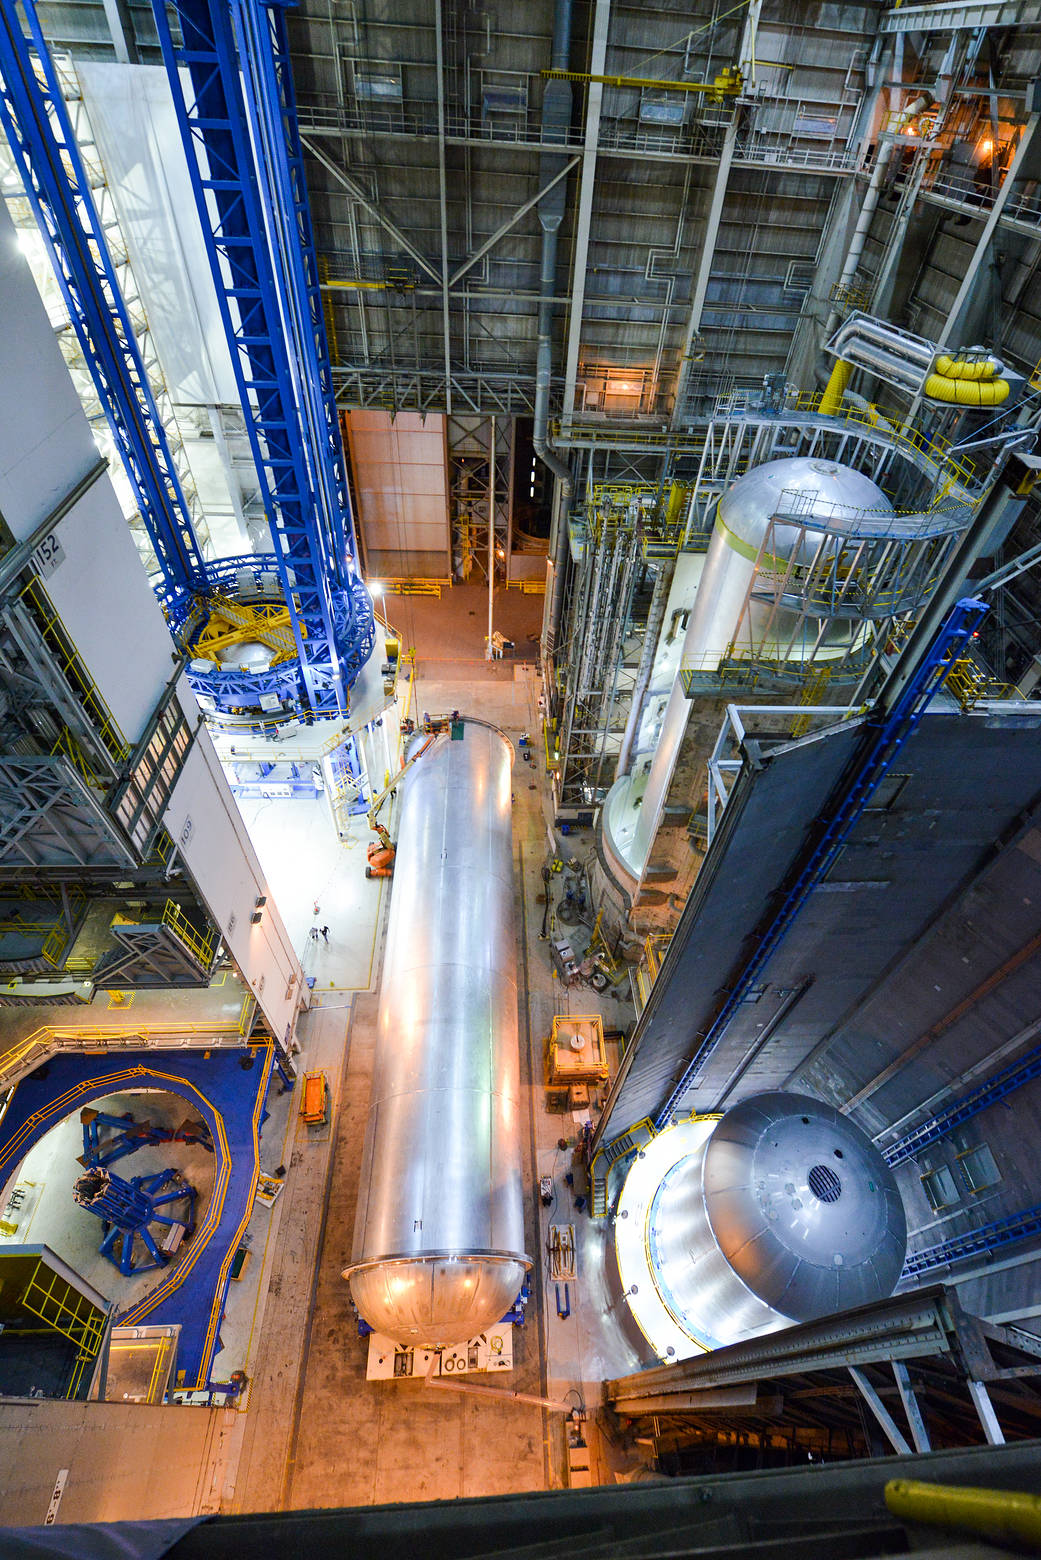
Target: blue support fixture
[[237, 116], [975, 1243], [945, 1121], [128, 1208], [108, 1138], [887, 734], [37, 125]]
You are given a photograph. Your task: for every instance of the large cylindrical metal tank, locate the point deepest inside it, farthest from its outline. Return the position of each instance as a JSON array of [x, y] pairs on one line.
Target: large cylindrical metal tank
[[835, 496], [438, 1250], [782, 1211]]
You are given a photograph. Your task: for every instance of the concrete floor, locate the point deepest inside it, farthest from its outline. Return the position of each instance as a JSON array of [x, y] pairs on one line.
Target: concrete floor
[[311, 1431], [316, 1432]]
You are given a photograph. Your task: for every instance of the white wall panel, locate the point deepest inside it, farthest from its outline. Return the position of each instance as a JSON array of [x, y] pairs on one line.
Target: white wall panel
[[204, 822]]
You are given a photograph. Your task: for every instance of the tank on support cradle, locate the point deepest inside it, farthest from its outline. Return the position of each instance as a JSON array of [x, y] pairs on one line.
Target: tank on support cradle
[[781, 1211], [439, 1235]]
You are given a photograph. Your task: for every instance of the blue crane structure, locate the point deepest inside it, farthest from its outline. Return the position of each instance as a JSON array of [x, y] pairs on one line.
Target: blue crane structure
[[988, 1093], [246, 164], [232, 86], [39, 130]]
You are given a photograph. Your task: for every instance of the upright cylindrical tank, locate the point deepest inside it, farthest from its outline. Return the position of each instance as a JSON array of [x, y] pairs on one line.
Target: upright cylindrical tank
[[438, 1250], [834, 496], [785, 1211]]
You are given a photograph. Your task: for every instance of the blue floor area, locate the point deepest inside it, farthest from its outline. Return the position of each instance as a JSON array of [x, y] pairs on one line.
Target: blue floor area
[[231, 1099]]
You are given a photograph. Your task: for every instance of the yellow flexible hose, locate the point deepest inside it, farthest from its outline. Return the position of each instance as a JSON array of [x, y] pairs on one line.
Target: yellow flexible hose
[[966, 368], [966, 392], [831, 400]]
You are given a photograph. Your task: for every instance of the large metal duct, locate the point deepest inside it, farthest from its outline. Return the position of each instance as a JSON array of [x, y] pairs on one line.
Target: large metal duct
[[439, 1235], [784, 1210]]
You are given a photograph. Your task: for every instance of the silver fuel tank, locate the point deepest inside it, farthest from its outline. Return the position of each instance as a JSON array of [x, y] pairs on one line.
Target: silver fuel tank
[[438, 1251]]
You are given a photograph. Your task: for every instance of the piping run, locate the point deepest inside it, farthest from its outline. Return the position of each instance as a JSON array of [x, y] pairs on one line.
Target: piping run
[[556, 120], [867, 210]]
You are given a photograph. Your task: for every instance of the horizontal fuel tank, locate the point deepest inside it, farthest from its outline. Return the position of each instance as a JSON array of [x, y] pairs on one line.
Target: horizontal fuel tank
[[438, 1251], [781, 1211]]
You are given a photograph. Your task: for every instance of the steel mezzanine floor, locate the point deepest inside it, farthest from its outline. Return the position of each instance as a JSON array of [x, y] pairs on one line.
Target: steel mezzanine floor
[[231, 1099]]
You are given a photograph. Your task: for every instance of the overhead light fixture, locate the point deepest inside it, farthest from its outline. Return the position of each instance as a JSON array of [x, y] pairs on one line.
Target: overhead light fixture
[[375, 589], [256, 917]]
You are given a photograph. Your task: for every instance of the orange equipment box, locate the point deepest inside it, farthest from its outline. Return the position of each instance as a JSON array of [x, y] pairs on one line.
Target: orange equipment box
[[315, 1103]]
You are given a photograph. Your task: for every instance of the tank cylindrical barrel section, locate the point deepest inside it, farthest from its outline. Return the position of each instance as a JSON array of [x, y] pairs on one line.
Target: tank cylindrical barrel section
[[438, 1250]]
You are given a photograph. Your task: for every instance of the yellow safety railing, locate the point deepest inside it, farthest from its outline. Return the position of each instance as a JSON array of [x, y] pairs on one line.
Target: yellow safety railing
[[51, 929], [653, 953], [936, 449], [56, 637], [63, 1309], [969, 684], [201, 945], [414, 587], [246, 1012]]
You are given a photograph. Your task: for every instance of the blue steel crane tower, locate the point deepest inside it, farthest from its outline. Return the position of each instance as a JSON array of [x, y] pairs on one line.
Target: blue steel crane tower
[[240, 132]]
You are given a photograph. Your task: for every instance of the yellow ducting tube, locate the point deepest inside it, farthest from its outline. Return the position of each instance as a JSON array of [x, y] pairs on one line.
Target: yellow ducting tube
[[967, 392], [967, 368], [831, 400], [967, 381]]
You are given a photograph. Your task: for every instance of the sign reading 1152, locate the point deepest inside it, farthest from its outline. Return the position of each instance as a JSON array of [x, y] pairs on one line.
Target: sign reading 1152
[[47, 556]]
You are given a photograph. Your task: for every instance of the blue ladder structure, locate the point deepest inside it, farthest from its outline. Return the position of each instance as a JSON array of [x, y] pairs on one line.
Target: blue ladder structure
[[238, 121], [993, 1090], [975, 1243], [884, 743], [37, 125]]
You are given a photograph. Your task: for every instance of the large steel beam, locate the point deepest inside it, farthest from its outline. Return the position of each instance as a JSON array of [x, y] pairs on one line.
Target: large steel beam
[[511, 222], [357, 193], [958, 14], [979, 254], [886, 1422]]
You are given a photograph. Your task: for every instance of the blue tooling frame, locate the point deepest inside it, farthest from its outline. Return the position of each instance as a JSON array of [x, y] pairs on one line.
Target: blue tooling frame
[[238, 122], [36, 122], [194, 1292], [130, 1207]]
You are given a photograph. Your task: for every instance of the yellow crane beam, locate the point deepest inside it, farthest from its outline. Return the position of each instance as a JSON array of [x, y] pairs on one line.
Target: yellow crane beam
[[727, 84]]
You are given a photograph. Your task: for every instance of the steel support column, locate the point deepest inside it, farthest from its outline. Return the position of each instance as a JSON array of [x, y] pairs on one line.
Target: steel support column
[[446, 322], [886, 1422], [580, 247], [912, 1408], [979, 254], [746, 61]]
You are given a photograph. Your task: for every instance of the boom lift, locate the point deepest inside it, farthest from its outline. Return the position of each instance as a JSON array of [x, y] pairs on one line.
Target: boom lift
[[382, 850]]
